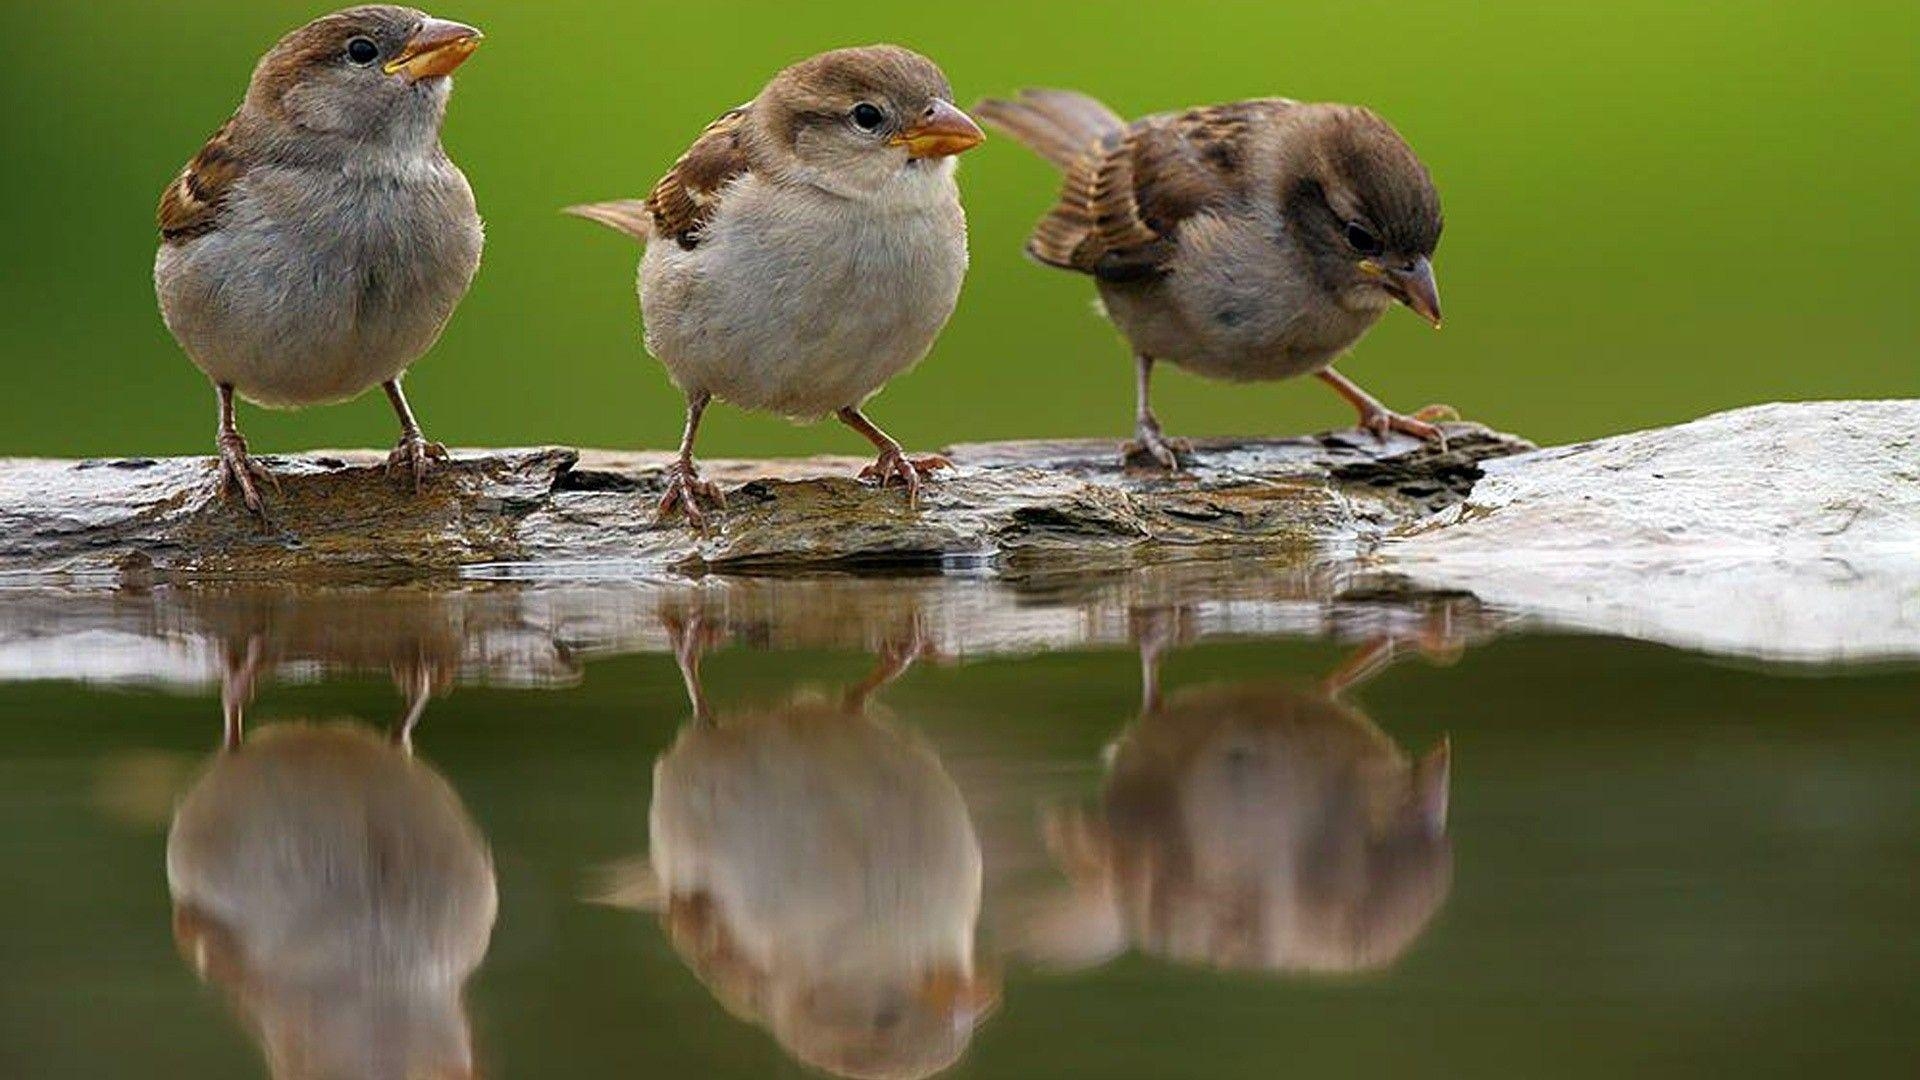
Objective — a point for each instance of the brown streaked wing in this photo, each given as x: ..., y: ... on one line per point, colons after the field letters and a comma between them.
x: 191, y: 205
x: 685, y: 199
x: 1122, y: 203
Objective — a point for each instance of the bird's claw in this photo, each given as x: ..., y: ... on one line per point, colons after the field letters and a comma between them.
x: 686, y: 490
x: 1420, y: 425
x: 895, y: 467
x: 1150, y: 447
x: 238, y: 471
x: 414, y: 456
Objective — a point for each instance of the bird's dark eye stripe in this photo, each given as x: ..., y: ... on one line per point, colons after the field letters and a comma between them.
x: 362, y: 51
x: 868, y: 116
x: 1362, y: 240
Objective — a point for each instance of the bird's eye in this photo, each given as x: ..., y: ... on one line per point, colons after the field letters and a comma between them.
x: 868, y: 117
x: 362, y: 51
x: 1362, y: 240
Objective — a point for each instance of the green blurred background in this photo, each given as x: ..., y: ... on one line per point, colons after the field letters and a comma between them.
x: 1654, y: 210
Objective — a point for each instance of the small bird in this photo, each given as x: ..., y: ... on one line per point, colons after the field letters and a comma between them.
x: 1251, y: 827
x: 808, y: 248
x: 816, y: 866
x: 1247, y: 241
x: 340, y: 893
x: 317, y: 245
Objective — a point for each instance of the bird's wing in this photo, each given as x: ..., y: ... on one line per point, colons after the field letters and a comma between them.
x: 685, y: 199
x: 1124, y: 199
x: 191, y: 205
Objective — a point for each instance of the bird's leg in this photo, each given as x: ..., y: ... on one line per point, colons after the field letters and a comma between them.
x: 896, y: 658
x: 1150, y: 444
x: 1379, y: 419
x: 237, y: 470
x: 691, y: 638
x: 415, y: 677
x: 238, y: 678
x: 1438, y: 640
x: 685, y: 488
x: 893, y: 466
x: 1158, y: 631
x: 414, y: 454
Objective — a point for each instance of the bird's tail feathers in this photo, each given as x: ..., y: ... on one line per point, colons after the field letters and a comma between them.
x: 1059, y: 125
x: 629, y: 216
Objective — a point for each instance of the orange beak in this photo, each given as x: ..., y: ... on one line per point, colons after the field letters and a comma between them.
x: 942, y: 131
x: 435, y: 50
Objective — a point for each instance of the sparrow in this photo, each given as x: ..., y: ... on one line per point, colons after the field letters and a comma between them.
x: 336, y: 888
x: 806, y: 249
x: 318, y: 243
x: 1247, y: 241
x: 816, y: 866
x: 1251, y: 827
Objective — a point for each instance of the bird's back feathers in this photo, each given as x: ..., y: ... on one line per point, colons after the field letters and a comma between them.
x: 1128, y: 187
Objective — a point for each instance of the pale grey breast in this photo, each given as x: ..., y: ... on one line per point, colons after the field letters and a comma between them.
x: 320, y: 284
x: 800, y: 302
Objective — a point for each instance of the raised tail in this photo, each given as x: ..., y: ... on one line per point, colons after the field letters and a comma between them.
x: 1059, y: 125
x: 629, y: 216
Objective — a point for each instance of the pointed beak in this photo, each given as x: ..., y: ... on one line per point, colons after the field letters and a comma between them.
x: 942, y: 131
x: 434, y: 50
x: 1414, y: 287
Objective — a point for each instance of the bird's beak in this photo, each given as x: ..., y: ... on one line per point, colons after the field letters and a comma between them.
x: 941, y: 132
x: 1414, y: 287
x: 961, y: 995
x: 436, y: 49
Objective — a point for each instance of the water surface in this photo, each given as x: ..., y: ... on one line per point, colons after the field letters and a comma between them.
x: 922, y: 827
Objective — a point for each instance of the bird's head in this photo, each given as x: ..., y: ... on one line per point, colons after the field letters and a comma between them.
x: 378, y: 73
x: 857, y: 118
x: 1364, y: 209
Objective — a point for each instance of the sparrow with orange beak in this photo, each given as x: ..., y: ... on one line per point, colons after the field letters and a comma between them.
x: 808, y: 248
x: 1254, y: 240
x: 319, y: 242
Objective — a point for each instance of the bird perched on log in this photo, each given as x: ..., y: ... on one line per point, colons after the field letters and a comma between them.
x: 1254, y: 240
x: 317, y: 245
x: 806, y: 250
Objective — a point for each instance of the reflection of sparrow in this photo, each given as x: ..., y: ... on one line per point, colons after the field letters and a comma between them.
x: 817, y: 868
x: 318, y: 243
x: 806, y: 249
x: 1253, y: 828
x: 337, y: 888
x: 1256, y: 240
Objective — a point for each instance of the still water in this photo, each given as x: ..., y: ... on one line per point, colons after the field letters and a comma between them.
x: 1144, y: 827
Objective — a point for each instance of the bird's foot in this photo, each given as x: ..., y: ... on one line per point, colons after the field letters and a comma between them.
x: 686, y: 491
x: 1151, y: 447
x: 893, y: 466
x: 239, y: 472
x: 1423, y: 425
x: 414, y: 457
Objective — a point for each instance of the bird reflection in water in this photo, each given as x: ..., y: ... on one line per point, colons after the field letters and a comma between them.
x: 815, y: 866
x: 1253, y: 827
x: 336, y: 888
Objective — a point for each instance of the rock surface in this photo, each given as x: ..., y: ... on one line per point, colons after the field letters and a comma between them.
x: 1785, y: 531
x: 559, y: 512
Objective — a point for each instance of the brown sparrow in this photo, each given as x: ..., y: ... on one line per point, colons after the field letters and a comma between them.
x: 1255, y: 240
x: 318, y: 243
x: 808, y: 248
x: 340, y: 893
x: 1251, y: 827
x: 816, y: 866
